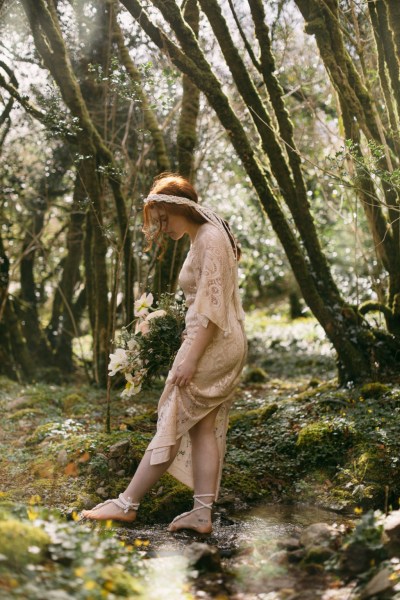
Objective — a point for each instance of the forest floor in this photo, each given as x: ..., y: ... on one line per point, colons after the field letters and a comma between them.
x: 300, y: 450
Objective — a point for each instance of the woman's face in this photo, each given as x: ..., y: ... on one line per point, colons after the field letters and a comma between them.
x: 175, y: 226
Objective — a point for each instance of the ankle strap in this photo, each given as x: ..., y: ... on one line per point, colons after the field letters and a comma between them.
x: 203, y: 495
x: 203, y: 504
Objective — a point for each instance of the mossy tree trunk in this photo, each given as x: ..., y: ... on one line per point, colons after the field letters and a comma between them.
x: 359, y: 355
x: 51, y: 47
x: 63, y: 327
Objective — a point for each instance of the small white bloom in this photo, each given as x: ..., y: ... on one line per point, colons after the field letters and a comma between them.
x: 133, y: 345
x: 133, y: 385
x: 118, y: 361
x: 142, y: 305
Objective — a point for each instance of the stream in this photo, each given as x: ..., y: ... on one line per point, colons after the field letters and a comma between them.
x: 248, y: 565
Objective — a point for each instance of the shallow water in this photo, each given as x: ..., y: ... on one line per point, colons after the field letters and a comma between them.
x: 247, y: 543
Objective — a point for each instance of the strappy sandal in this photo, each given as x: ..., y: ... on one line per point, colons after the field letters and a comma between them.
x: 121, y: 502
x: 185, y: 514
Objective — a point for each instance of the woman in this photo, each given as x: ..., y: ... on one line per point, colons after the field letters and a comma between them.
x: 193, y: 408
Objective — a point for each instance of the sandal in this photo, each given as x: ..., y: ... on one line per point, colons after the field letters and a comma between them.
x: 185, y: 514
x: 121, y: 502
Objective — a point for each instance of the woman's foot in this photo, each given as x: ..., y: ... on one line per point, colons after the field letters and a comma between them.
x: 199, y: 521
x: 117, y: 509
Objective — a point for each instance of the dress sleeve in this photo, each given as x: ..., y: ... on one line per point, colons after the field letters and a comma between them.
x: 214, y: 280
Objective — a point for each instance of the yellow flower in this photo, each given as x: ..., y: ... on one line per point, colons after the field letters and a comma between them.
x: 80, y: 571
x: 89, y: 584
x: 108, y: 523
x: 36, y: 499
x: 358, y: 510
x: 32, y: 514
x: 75, y: 515
x: 109, y: 586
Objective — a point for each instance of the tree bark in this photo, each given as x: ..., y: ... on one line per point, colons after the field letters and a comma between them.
x: 62, y: 326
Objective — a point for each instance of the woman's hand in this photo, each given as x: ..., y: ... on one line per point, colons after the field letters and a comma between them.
x: 184, y: 372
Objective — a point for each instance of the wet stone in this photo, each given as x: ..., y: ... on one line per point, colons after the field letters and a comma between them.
x: 102, y: 492
x: 203, y: 557
x: 289, y: 543
x: 317, y: 534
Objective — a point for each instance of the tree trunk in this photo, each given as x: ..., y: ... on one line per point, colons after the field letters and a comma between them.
x: 63, y: 327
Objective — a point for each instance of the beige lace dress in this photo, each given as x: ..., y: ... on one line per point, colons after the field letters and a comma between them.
x: 209, y: 281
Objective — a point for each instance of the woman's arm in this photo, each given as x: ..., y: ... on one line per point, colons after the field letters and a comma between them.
x: 184, y: 372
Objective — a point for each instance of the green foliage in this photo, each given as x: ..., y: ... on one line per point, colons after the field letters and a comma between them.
x: 48, y: 553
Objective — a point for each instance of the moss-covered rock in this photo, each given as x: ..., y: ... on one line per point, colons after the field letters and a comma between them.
x: 22, y: 543
x: 256, y: 375
x: 25, y: 413
x: 41, y: 432
x: 324, y: 442
x: 374, y: 390
x: 71, y: 402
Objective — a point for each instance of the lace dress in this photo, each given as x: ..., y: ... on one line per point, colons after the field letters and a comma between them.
x: 209, y: 281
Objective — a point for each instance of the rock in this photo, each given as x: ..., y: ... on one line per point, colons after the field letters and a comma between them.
x: 203, y: 557
x: 317, y: 534
x: 62, y: 458
x: 296, y: 556
x: 289, y: 543
x: 102, y: 492
x: 119, y: 449
x: 379, y: 584
x: 391, y: 526
x: 121, y: 473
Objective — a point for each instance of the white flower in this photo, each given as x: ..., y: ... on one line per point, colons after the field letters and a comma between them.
x: 133, y: 345
x: 142, y: 305
x: 133, y: 385
x: 143, y: 327
x: 118, y: 361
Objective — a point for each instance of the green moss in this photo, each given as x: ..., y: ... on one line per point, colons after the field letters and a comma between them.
x: 374, y: 390
x: 322, y: 432
x: 71, y: 402
x: 119, y: 582
x: 242, y: 484
x: 325, y: 443
x: 22, y: 543
x: 25, y: 412
x: 251, y: 417
x: 170, y: 499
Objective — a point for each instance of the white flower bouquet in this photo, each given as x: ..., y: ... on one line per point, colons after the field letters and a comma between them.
x: 149, y: 349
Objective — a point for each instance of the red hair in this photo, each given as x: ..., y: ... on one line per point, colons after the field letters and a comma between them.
x: 172, y: 184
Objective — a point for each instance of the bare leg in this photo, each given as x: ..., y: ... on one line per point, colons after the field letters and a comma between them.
x: 205, y: 461
x: 145, y: 477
